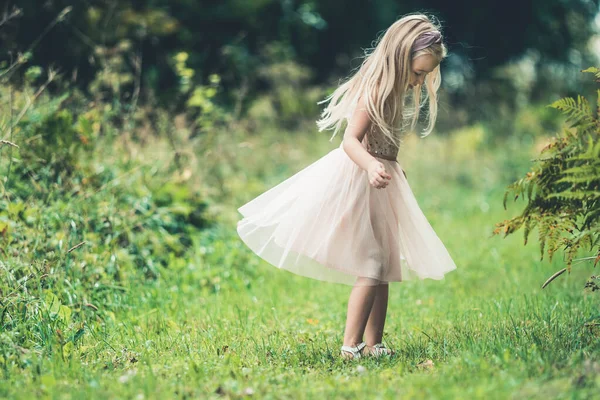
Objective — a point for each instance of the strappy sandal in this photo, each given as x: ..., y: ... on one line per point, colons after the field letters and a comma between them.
x: 355, y: 350
x: 379, y: 350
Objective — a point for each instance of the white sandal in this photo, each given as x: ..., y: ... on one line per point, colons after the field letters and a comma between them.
x: 355, y: 350
x: 380, y: 350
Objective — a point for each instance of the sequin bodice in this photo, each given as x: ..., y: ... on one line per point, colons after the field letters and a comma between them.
x: 378, y: 145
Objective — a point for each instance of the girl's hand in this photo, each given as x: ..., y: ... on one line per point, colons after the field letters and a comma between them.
x: 378, y: 177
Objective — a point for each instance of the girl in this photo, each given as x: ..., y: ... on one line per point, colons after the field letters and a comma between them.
x: 351, y: 217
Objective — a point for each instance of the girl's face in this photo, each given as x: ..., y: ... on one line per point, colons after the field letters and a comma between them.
x: 420, y: 67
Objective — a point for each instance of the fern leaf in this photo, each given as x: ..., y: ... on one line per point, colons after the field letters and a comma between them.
x: 577, y: 111
x: 529, y: 193
x: 593, y: 70
x: 542, y: 234
x: 526, y: 231
x: 594, y: 194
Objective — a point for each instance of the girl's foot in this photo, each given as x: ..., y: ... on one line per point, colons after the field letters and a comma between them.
x: 353, y: 352
x: 379, y: 350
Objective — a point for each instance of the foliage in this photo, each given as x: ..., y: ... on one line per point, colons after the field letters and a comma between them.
x: 291, y: 97
x: 563, y: 188
x: 200, y: 101
x: 92, y: 222
x: 227, y: 38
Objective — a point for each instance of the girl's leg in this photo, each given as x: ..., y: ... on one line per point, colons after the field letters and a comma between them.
x: 376, y: 321
x: 359, y: 307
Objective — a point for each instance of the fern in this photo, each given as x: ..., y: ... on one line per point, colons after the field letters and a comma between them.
x: 563, y: 188
x: 578, y: 111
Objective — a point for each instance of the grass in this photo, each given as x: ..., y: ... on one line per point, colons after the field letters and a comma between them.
x: 489, y: 329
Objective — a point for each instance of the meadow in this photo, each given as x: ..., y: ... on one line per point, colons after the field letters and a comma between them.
x: 212, y: 320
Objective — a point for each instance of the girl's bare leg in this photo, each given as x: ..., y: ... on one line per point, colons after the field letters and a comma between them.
x: 376, y: 321
x: 360, y: 304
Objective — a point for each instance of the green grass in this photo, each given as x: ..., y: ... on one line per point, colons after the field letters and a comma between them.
x: 489, y: 329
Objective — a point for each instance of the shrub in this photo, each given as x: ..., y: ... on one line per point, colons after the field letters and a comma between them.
x: 563, y: 188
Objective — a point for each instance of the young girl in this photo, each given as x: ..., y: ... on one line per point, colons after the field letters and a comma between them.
x: 351, y: 217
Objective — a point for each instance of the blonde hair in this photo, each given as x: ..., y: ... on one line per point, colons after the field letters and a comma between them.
x: 383, y: 79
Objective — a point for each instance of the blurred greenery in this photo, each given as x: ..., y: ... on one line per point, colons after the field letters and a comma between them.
x: 522, y: 54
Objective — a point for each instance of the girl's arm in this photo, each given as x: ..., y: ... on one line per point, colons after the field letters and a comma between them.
x: 353, y: 136
x: 358, y: 125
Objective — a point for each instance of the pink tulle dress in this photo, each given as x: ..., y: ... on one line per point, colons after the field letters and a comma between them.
x: 327, y: 222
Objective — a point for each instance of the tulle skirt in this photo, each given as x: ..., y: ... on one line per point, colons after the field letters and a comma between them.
x: 327, y: 222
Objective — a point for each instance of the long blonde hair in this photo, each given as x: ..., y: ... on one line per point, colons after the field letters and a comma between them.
x: 383, y: 78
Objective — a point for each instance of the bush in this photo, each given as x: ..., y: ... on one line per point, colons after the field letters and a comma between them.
x: 85, y: 218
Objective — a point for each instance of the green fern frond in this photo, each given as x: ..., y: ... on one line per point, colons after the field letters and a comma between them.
x: 577, y: 111
x: 592, y: 151
x: 575, y: 179
x: 529, y: 192
x: 543, y: 229
x: 592, y: 218
x: 580, y: 195
x: 585, y: 173
x: 530, y: 224
x: 593, y: 70
x: 562, y: 190
x: 526, y: 230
